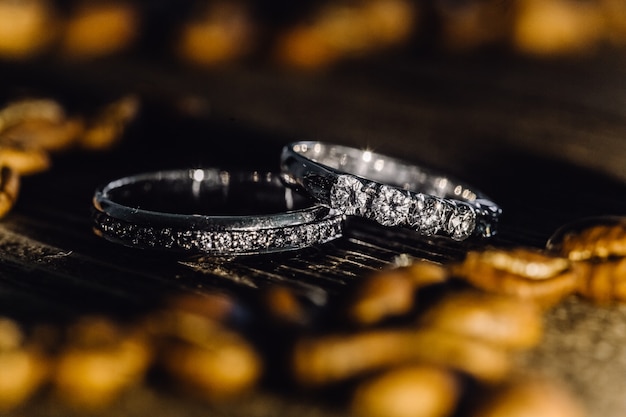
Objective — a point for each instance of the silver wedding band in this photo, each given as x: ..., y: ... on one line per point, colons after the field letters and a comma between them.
x: 200, y: 210
x: 149, y: 211
x: 387, y: 190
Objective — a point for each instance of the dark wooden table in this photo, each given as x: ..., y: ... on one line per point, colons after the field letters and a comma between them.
x: 544, y: 138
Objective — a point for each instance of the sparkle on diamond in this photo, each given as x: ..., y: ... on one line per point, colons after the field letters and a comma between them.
x: 243, y: 241
x: 257, y: 240
x: 278, y: 239
x: 204, y: 241
x: 347, y: 195
x: 312, y: 234
x: 145, y: 236
x: 428, y: 215
x: 390, y: 206
x: 222, y: 241
x: 185, y: 240
x: 292, y: 237
x: 325, y: 231
x: 167, y: 238
x: 462, y: 222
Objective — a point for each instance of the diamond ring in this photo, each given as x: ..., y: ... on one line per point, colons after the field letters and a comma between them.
x: 387, y: 190
x: 192, y: 211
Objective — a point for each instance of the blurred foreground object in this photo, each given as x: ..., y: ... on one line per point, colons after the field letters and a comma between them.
x: 98, y: 28
x: 220, y: 32
x: 345, y: 29
x: 591, y: 238
x: 597, y: 248
x: 221, y: 367
x: 200, y: 351
x: 9, y: 189
x: 104, y: 129
x: 98, y: 362
x: 410, y: 391
x: 521, y: 272
x: 468, y: 25
x: 508, y: 322
x: 338, y: 357
x: 615, y: 17
x: 32, y: 129
x: 26, y: 27
x: 392, y: 293
x: 555, y: 27
x: 317, y: 35
x: 602, y: 282
x: 23, y: 368
x: 531, y: 397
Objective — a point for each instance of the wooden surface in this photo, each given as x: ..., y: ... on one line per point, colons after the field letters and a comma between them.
x: 544, y: 139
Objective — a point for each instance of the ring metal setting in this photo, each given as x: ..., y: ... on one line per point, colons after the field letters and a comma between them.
x: 389, y: 191
x: 123, y: 213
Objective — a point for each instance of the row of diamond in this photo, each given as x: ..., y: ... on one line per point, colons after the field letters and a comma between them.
x: 221, y: 242
x: 392, y: 206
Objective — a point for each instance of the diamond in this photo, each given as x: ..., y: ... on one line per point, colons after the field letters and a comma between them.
x: 330, y: 230
x: 337, y: 229
x: 325, y: 231
x: 278, y: 239
x: 462, y: 222
x: 262, y: 239
x: 240, y: 241
x: 312, y: 234
x: 347, y: 195
x: 253, y: 241
x: 292, y: 237
x: 204, y: 241
x: 144, y: 236
x: 121, y: 230
x: 428, y: 215
x: 222, y: 241
x: 390, y: 206
x: 105, y: 223
x: 185, y: 239
x: 167, y: 238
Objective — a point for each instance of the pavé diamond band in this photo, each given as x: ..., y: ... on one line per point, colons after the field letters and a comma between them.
x: 388, y: 190
x: 188, y: 211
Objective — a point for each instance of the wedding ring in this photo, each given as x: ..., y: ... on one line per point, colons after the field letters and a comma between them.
x: 387, y: 190
x: 212, y: 212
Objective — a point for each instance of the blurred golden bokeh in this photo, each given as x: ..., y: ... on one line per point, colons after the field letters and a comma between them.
x: 208, y: 33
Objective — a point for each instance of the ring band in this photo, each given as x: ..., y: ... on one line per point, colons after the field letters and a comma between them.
x: 387, y: 190
x: 160, y: 211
